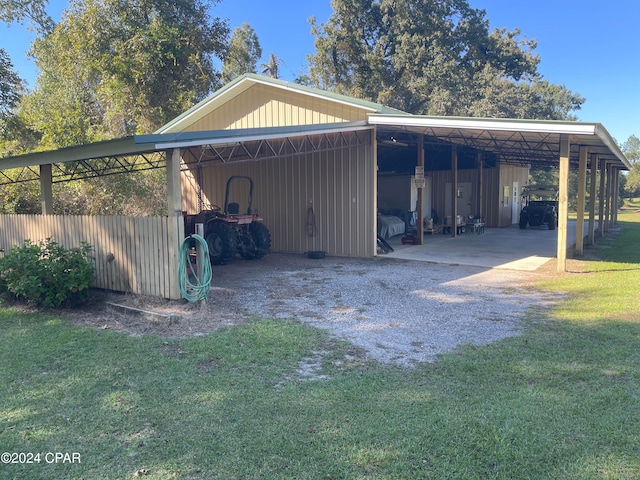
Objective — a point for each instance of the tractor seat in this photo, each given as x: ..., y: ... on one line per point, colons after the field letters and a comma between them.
x: 233, y: 208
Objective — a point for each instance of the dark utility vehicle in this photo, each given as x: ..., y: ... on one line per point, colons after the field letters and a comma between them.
x: 229, y: 232
x: 540, y: 207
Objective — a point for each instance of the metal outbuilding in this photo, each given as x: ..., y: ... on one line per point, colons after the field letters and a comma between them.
x: 308, y: 148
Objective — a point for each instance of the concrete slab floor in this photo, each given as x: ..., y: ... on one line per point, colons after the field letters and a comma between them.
x: 509, y: 248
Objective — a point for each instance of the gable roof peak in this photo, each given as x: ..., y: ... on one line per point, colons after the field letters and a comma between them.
x: 242, y: 83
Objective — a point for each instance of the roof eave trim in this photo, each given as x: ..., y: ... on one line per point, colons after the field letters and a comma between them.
x: 107, y: 148
x: 309, y: 91
x: 232, y: 139
x: 610, y: 143
x: 569, y: 128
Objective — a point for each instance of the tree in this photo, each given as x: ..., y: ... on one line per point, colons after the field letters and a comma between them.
x: 11, y: 86
x: 32, y: 10
x: 432, y: 57
x: 272, y: 67
x: 110, y: 68
x: 631, y: 150
x: 243, y: 53
x: 15, y: 136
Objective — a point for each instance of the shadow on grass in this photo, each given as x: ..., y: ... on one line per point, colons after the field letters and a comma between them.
x: 561, y: 401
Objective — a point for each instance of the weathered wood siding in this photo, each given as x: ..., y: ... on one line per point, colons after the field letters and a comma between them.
x: 263, y: 106
x: 130, y: 254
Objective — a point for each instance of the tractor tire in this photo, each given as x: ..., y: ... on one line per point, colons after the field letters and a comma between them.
x: 261, y: 238
x: 523, y: 222
x: 221, y: 240
x: 552, y: 223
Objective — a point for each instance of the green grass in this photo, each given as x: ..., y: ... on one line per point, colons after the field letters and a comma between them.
x: 562, y: 401
x: 632, y: 203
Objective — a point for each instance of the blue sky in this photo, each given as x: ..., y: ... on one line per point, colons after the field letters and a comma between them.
x: 590, y: 46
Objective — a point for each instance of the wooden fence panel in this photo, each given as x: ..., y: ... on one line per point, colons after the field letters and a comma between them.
x: 131, y: 254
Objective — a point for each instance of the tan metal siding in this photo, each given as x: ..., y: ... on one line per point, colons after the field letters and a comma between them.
x: 441, y: 177
x: 331, y: 180
x: 262, y: 106
x: 492, y: 193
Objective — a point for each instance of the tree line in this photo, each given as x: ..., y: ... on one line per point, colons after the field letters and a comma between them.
x: 109, y: 69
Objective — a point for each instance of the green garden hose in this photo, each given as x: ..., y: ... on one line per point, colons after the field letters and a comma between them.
x: 198, y: 291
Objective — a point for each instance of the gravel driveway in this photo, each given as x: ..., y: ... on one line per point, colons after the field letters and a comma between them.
x: 398, y: 311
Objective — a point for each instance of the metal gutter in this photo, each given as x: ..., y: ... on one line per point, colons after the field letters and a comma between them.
x: 542, y: 126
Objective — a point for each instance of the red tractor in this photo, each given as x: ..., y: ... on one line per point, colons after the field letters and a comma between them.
x: 228, y: 232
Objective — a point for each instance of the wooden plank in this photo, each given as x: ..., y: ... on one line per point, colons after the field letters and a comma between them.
x: 116, y: 235
x: 156, y: 272
x: 591, y: 236
x: 582, y: 184
x: 111, y: 265
x: 601, y: 197
x: 607, y: 198
x: 89, y: 225
x: 148, y: 257
x: 563, y: 203
x: 46, y: 189
x: 175, y: 214
x: 158, y: 255
x: 162, y: 267
x: 454, y: 191
x: 131, y: 272
x: 420, y: 214
x: 616, y: 194
x: 145, y: 252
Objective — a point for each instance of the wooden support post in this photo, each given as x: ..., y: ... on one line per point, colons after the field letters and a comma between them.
x: 607, y: 198
x: 615, y: 197
x: 46, y: 189
x: 480, y: 207
x: 420, y: 196
x: 200, y: 256
x: 591, y: 236
x: 176, y: 222
x: 582, y: 186
x: 565, y: 151
x: 454, y: 191
x: 601, y: 197
x: 374, y: 213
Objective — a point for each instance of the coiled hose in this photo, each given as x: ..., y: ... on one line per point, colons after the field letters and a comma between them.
x: 194, y: 292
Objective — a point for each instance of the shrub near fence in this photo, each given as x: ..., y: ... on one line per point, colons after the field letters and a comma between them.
x: 48, y: 274
x: 131, y: 254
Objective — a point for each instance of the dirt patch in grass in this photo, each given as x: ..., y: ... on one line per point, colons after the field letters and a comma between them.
x: 191, y: 319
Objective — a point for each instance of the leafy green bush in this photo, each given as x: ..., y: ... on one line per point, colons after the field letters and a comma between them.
x: 47, y: 274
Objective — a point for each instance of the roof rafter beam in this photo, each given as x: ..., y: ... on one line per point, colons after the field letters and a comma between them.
x: 272, y: 148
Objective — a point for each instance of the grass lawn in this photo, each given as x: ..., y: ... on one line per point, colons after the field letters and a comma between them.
x: 562, y: 401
